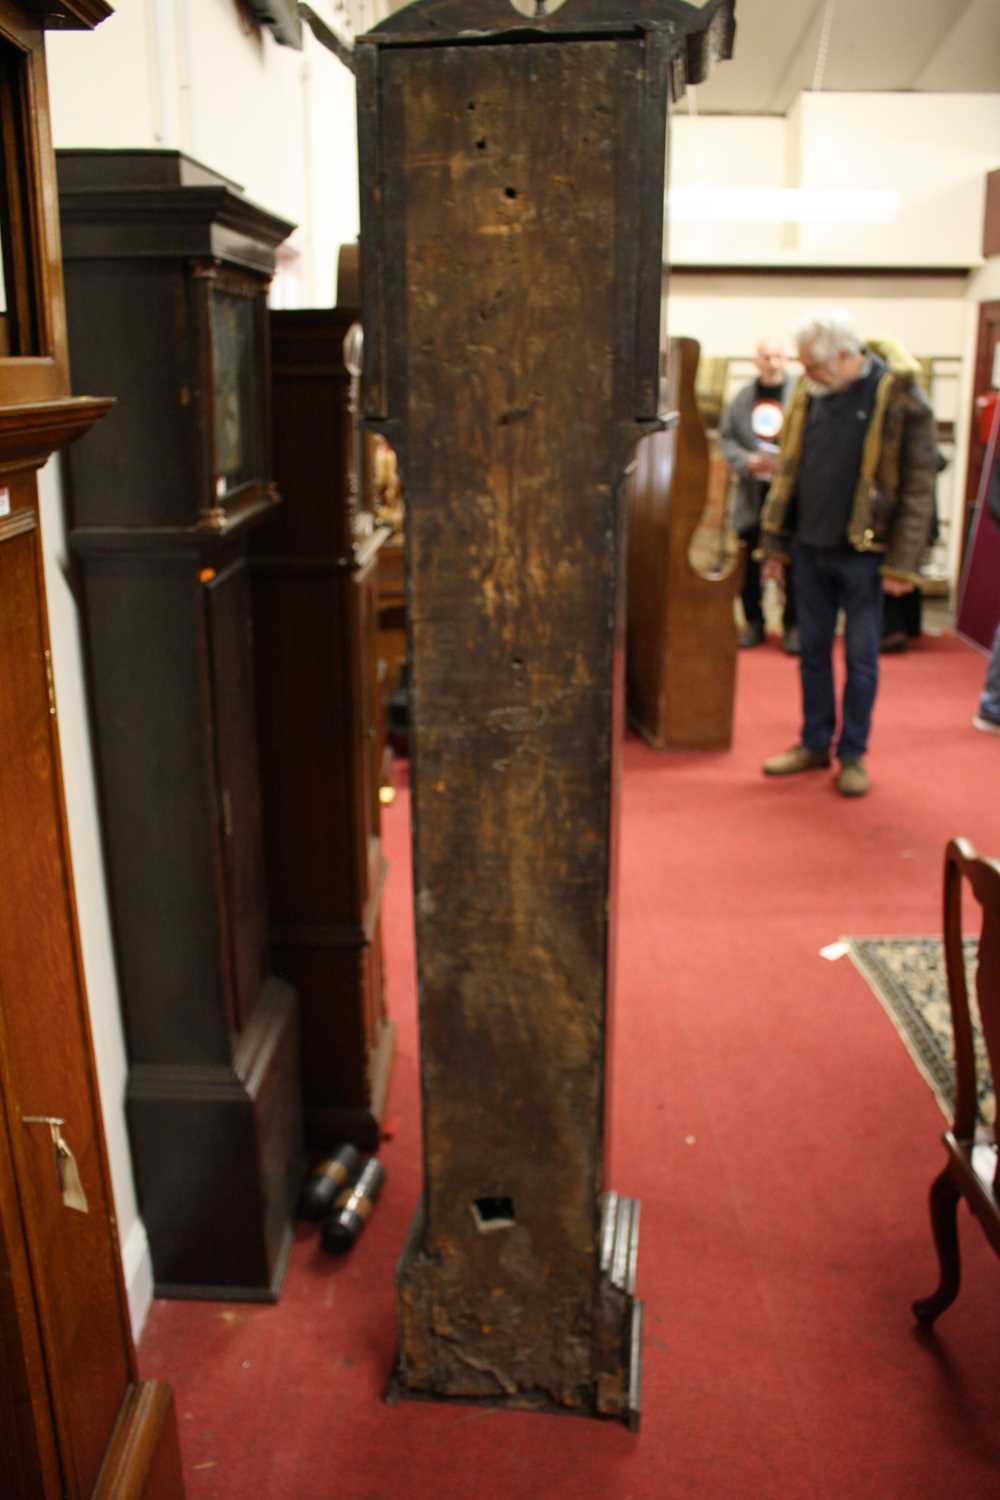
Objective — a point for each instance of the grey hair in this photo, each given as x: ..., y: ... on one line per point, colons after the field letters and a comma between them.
x: 829, y: 331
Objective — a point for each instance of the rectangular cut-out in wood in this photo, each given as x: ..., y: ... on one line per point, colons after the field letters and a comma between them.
x: 512, y: 191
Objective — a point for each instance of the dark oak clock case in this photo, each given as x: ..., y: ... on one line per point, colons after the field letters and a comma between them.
x: 315, y: 582
x: 167, y: 270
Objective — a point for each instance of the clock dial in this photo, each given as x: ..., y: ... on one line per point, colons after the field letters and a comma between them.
x: 234, y: 406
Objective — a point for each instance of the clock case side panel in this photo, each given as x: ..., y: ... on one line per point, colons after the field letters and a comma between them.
x: 145, y: 464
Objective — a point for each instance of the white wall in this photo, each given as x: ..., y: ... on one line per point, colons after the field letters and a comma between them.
x: 90, y: 887
x: 932, y: 150
x: 712, y: 150
x: 935, y: 153
x: 728, y: 311
x: 187, y: 75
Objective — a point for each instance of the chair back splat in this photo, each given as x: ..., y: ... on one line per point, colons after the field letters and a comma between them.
x: 971, y: 1170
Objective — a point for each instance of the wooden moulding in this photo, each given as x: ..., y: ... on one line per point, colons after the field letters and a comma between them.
x: 143, y: 1457
x: 69, y: 15
x: 512, y: 189
x: 32, y: 431
x: 991, y: 216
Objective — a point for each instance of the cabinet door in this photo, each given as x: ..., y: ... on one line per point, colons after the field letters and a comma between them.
x: 234, y: 731
x: 63, y: 1323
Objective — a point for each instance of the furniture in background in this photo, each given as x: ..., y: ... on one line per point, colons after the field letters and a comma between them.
x: 167, y: 271
x: 681, y: 637
x: 315, y: 570
x: 971, y: 1171
x: 75, y: 1419
x: 392, y: 612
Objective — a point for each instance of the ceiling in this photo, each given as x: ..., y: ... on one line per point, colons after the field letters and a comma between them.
x: 930, y: 46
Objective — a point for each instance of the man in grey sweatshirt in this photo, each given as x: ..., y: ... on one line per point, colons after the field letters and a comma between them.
x: 749, y: 437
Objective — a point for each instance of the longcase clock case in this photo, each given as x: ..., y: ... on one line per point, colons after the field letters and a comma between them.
x: 315, y: 581
x: 512, y: 189
x: 167, y: 270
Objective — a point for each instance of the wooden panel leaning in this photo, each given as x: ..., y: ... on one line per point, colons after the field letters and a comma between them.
x: 682, y: 638
x: 972, y: 1169
x: 512, y: 200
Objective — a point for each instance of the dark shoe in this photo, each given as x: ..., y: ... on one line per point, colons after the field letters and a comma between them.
x: 753, y: 635
x: 891, y: 645
x: 988, y: 726
x: 798, y: 758
x: 853, y: 779
x: 790, y: 643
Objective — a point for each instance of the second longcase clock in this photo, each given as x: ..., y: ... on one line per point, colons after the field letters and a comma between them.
x: 315, y: 582
x: 167, y: 270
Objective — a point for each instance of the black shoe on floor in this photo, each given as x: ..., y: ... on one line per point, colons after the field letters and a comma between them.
x: 790, y: 643
x: 893, y: 644
x: 753, y: 635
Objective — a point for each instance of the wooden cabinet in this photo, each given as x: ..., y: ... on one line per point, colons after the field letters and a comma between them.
x: 167, y: 269
x: 68, y: 1373
x: 75, y: 1421
x: 315, y: 590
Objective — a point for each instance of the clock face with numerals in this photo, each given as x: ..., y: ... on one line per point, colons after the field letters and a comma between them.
x: 234, y: 388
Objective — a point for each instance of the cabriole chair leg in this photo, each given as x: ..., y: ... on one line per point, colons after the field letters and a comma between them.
x: 944, y: 1196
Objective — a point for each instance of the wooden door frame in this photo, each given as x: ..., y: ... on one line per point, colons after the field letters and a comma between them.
x: 986, y: 341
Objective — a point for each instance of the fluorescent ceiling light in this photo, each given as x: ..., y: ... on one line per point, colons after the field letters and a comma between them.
x: 705, y: 204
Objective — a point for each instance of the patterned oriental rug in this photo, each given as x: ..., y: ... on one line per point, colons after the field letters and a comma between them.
x: 907, y: 975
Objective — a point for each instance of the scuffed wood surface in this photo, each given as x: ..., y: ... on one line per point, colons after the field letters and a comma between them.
x: 511, y: 334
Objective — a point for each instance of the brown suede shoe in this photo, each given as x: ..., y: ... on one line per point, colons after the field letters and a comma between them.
x: 852, y: 779
x: 798, y: 758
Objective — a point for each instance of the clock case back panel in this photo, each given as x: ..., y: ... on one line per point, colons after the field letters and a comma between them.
x: 512, y: 189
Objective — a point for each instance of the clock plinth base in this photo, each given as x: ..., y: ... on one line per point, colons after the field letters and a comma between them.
x: 462, y: 1337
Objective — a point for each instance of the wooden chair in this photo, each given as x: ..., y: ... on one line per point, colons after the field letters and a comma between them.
x: 971, y: 1172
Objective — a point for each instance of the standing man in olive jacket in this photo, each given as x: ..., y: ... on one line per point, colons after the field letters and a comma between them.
x: 849, y: 510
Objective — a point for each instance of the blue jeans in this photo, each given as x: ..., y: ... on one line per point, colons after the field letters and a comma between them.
x: 827, y: 579
x: 989, y: 703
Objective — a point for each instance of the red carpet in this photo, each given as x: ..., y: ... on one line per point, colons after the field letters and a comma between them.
x: 767, y: 1116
